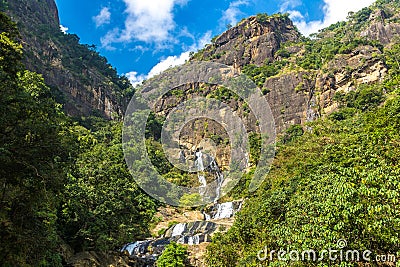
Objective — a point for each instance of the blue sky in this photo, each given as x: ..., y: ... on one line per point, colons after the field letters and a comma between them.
x: 141, y: 38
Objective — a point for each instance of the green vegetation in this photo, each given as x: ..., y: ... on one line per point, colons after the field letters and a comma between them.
x: 320, y: 51
x: 264, y: 18
x: 366, y: 97
x: 189, y: 200
x: 32, y: 159
x: 337, y: 180
x: 79, y: 58
x: 102, y: 206
x: 61, y: 182
x: 293, y: 132
x: 65, y: 182
x: 174, y: 255
x: 260, y: 74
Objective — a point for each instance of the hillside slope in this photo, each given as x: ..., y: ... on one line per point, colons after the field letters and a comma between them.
x: 300, y: 76
x: 81, y: 79
x: 336, y: 185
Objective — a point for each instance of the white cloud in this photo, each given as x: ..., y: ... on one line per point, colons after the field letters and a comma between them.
x: 230, y: 16
x: 104, y: 17
x: 296, y: 15
x: 150, y: 21
x: 63, y: 29
x: 287, y: 4
x: 163, y: 65
x: 334, y: 11
x: 202, y: 42
x: 135, y: 78
x: 169, y: 62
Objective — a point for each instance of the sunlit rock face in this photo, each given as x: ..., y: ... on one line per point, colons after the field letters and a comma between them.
x: 253, y: 41
x: 84, y: 87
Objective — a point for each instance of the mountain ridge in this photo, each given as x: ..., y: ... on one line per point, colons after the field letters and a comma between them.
x: 81, y: 79
x: 335, y: 99
x: 300, y: 84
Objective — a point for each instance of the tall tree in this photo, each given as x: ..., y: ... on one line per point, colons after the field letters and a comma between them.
x: 30, y: 155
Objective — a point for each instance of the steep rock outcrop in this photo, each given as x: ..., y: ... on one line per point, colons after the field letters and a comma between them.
x: 80, y: 78
x: 253, y: 41
x: 363, y: 66
x: 291, y: 97
x: 296, y: 95
x: 382, y: 27
x: 301, y: 96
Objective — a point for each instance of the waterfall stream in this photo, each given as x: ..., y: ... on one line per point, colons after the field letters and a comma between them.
x: 200, y: 172
x: 224, y: 211
x: 178, y: 229
x: 190, y: 233
x: 213, y: 168
x: 219, y: 178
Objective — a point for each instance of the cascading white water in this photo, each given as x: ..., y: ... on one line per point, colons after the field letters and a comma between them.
x: 200, y: 168
x: 220, y: 180
x: 213, y: 168
x: 207, y: 217
x: 178, y: 229
x: 136, y: 248
x: 194, y: 240
x: 199, y: 161
x: 202, y: 181
x: 225, y: 210
x: 219, y: 177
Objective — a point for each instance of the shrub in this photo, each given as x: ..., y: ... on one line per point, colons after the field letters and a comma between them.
x: 174, y: 255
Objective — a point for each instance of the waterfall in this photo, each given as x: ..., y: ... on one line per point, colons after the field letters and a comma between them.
x: 136, y: 248
x: 220, y: 180
x: 202, y: 181
x: 199, y: 161
x: 190, y: 233
x: 219, y: 177
x: 194, y: 240
x: 178, y: 229
x: 211, y: 167
x: 225, y: 210
x: 200, y: 168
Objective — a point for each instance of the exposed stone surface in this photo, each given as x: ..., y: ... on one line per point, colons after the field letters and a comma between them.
x: 382, y: 28
x: 83, y: 90
x: 197, y: 255
x: 290, y: 97
x: 46, y: 12
x: 208, y: 134
x: 252, y: 41
x: 362, y: 66
x: 301, y: 96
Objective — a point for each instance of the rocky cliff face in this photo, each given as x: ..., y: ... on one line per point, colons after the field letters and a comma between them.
x: 301, y: 96
x: 383, y: 26
x: 253, y: 41
x: 81, y: 79
x: 297, y: 95
x: 35, y: 13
